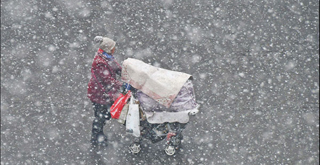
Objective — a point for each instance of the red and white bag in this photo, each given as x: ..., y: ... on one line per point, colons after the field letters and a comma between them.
x: 117, y: 106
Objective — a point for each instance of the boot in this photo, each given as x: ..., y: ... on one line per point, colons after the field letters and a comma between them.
x: 99, y: 140
x: 98, y: 137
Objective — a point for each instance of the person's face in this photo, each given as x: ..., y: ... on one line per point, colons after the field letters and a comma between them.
x: 113, y: 50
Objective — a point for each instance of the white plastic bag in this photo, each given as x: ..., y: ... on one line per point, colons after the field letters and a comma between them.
x: 133, y: 119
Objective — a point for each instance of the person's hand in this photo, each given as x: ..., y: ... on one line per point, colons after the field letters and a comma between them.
x: 125, y: 87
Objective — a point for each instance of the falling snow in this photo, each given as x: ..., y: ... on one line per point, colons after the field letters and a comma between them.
x: 255, y: 66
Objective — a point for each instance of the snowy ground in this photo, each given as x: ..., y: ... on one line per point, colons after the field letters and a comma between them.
x: 255, y: 65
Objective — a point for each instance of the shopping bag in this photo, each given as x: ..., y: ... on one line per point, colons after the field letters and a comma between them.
x: 133, y: 119
x: 123, y: 115
x: 117, y: 106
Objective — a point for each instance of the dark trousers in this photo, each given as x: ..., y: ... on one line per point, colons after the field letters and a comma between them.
x: 101, y: 114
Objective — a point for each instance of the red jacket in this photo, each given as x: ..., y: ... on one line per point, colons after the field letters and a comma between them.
x: 103, y: 88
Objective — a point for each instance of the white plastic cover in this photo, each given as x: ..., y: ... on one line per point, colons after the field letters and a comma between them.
x: 160, y: 84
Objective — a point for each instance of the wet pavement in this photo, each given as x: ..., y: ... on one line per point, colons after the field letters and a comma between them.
x: 255, y: 67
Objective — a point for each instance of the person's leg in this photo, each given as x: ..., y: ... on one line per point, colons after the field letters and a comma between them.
x: 101, y: 115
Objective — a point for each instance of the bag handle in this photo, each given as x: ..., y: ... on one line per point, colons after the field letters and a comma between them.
x: 131, y: 99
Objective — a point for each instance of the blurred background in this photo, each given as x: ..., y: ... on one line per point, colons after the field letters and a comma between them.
x: 255, y: 66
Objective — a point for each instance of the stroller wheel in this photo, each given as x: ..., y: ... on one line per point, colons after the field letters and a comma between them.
x: 170, y: 150
x: 135, y: 148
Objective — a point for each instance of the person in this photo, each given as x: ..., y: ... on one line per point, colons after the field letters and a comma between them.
x: 103, y: 87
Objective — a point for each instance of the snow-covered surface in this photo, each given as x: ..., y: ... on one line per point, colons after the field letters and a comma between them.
x: 255, y: 66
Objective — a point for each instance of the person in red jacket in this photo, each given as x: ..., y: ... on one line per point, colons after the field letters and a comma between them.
x: 103, y: 87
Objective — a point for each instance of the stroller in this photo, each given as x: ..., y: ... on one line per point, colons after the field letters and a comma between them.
x: 165, y: 99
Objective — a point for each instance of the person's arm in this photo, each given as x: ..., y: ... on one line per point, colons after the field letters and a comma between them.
x: 103, y: 74
x: 118, y: 69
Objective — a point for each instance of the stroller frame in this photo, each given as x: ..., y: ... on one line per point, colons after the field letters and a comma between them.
x: 172, y: 132
x: 160, y: 90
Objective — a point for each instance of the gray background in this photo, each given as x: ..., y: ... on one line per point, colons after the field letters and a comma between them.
x: 255, y: 66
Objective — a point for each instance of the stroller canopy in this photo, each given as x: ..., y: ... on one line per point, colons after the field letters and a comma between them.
x: 162, y: 85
